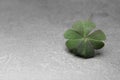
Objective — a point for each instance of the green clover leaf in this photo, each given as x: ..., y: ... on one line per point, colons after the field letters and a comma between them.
x: 81, y: 41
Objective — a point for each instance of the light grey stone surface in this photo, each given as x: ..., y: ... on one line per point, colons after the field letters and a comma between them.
x: 32, y: 46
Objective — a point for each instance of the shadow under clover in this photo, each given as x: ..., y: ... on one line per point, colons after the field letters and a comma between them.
x: 98, y: 53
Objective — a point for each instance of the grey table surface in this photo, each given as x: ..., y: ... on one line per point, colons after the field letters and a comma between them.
x: 32, y: 46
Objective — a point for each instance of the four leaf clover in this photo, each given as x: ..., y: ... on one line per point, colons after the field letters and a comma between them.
x: 81, y: 41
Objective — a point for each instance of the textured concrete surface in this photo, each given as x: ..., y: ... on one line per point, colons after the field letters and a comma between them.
x: 32, y: 44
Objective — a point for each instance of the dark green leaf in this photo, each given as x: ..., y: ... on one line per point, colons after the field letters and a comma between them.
x: 97, y: 35
x: 85, y: 49
x: 84, y: 28
x: 71, y: 34
x: 73, y: 43
x: 97, y: 44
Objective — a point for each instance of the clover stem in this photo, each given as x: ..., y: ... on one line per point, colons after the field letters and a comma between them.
x: 85, y: 39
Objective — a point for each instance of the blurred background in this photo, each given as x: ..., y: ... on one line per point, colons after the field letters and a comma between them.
x: 32, y: 46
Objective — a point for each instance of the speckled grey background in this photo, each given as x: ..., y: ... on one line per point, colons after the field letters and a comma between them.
x: 32, y: 46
